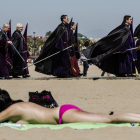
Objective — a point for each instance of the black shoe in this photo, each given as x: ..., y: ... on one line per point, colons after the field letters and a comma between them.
x: 121, y: 75
x: 28, y: 76
x: 68, y: 76
x: 7, y: 78
x: 15, y: 76
x: 130, y: 75
x: 25, y: 76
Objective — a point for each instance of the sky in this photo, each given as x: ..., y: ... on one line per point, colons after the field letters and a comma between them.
x: 96, y: 18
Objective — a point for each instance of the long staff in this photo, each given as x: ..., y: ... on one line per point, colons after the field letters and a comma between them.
x: 12, y: 45
x: 48, y: 57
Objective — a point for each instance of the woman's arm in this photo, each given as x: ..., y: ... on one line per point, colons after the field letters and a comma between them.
x: 11, y: 113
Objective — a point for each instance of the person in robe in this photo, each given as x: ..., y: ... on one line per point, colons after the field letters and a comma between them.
x: 58, y: 65
x: 74, y: 51
x: 4, y: 43
x: 20, y: 42
x: 25, y: 52
x: 137, y: 38
x: 137, y: 33
x: 111, y: 53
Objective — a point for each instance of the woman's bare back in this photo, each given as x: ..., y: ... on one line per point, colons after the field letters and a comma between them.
x: 30, y: 113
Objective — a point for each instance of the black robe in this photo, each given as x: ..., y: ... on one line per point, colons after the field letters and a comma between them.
x: 3, y: 56
x: 137, y: 34
x: 72, y: 41
x: 47, y: 66
x: 102, y: 52
x: 18, y: 63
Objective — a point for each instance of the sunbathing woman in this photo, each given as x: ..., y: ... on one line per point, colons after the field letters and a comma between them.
x: 35, y: 114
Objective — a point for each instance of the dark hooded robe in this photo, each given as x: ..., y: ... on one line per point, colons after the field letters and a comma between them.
x: 3, y: 56
x: 10, y: 52
x: 72, y: 41
x: 76, y: 48
x: 58, y: 65
x: 137, y: 34
x: 74, y: 51
x: 25, y: 51
x: 20, y: 45
x: 104, y: 53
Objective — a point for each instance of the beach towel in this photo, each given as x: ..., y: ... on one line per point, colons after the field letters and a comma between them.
x: 77, y: 126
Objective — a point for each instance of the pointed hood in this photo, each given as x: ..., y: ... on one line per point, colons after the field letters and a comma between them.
x: 69, y: 27
x: 9, y: 32
x: 10, y: 50
x: 76, y: 34
x: 131, y: 28
x: 25, y: 32
x: 76, y: 42
x: 132, y: 33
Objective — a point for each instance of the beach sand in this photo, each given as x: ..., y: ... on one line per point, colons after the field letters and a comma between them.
x: 99, y: 96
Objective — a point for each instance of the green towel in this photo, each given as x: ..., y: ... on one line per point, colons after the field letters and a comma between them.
x: 74, y: 126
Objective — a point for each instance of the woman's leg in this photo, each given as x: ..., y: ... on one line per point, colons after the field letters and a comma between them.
x: 74, y: 116
x: 126, y: 118
x: 86, y: 66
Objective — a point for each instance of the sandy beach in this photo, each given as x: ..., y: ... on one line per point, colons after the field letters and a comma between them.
x: 100, y: 96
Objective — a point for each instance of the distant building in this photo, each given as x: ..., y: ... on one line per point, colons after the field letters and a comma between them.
x: 81, y: 35
x: 97, y: 39
x: 92, y: 40
x: 39, y: 37
x: 30, y: 36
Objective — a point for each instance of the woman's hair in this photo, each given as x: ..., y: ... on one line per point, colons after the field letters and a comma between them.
x: 5, y: 100
x: 2, y: 105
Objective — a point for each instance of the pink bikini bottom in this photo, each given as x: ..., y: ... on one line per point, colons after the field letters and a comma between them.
x: 64, y: 108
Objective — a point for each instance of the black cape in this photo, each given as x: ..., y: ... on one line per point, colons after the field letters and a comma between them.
x: 2, y: 36
x: 72, y: 41
x: 102, y: 52
x: 137, y: 32
x: 48, y: 49
x: 18, y: 64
